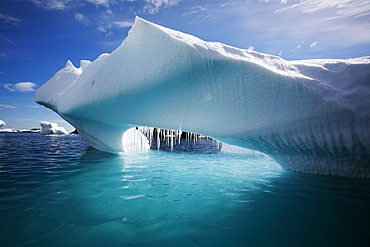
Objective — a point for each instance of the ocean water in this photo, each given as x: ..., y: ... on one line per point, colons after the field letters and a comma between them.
x: 58, y: 191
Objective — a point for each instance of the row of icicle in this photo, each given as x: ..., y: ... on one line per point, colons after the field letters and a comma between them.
x: 170, y: 136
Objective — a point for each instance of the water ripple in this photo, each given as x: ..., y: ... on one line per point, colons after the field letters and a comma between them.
x: 52, y: 187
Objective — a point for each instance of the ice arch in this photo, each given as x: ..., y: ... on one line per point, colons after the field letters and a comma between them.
x: 311, y: 116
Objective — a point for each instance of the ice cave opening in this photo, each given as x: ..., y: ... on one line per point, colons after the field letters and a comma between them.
x: 142, y: 139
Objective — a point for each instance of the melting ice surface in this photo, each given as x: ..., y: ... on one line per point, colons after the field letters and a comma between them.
x: 310, y: 116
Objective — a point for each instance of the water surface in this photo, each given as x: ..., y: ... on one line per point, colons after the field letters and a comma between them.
x: 58, y: 191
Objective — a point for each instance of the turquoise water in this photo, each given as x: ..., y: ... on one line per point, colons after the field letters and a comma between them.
x: 57, y: 191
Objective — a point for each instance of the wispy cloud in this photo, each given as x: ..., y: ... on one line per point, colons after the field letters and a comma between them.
x: 7, y: 40
x: 150, y: 6
x: 21, y: 87
x: 337, y: 21
x: 54, y: 4
x: 106, y: 17
x: 25, y: 119
x: 123, y: 23
x: 153, y: 6
x: 8, y: 106
x: 314, y: 44
x: 336, y: 25
x: 9, y: 21
x: 69, y: 4
x: 81, y: 18
x: 195, y: 10
x: 339, y: 8
x: 73, y: 4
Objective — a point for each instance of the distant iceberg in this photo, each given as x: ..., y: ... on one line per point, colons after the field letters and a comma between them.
x: 8, y: 130
x: 11, y: 130
x: 310, y: 116
x: 2, y: 123
x: 52, y: 129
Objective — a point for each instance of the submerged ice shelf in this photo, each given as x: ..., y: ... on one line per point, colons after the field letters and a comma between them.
x: 310, y: 116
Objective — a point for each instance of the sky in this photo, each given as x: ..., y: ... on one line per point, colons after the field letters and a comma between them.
x: 38, y: 37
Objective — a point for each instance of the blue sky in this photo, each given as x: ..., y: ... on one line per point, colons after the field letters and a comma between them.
x: 37, y: 37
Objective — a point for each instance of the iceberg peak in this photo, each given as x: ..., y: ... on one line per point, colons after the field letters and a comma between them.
x: 310, y: 116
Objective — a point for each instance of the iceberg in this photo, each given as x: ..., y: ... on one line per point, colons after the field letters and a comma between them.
x: 2, y: 123
x: 8, y: 130
x: 52, y: 129
x: 310, y: 116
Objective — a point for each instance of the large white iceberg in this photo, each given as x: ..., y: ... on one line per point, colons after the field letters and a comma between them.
x: 2, y: 123
x: 52, y: 129
x: 310, y: 116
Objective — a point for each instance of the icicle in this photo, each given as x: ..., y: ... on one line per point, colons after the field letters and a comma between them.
x: 158, y: 138
x: 150, y: 136
x: 167, y: 136
x: 187, y: 138
x: 133, y: 140
x: 172, y: 133
x: 178, y: 134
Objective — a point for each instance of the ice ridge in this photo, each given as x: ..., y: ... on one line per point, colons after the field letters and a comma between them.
x: 310, y: 116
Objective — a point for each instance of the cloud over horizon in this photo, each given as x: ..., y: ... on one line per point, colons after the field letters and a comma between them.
x: 22, y: 87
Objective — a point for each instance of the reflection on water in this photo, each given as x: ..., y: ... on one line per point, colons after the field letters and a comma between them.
x: 56, y: 191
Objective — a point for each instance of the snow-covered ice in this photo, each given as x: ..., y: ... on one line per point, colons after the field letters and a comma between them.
x: 310, y: 116
x: 52, y: 129
x: 2, y: 123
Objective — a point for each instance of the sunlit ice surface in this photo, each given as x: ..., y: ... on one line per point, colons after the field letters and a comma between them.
x: 57, y: 191
x: 311, y: 116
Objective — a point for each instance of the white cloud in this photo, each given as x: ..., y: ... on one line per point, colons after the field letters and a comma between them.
x: 81, y: 18
x: 106, y: 15
x: 74, y: 4
x: 103, y: 21
x: 123, y: 23
x: 9, y: 21
x: 336, y: 25
x: 70, y: 4
x: 8, y: 106
x: 195, y: 10
x: 7, y: 40
x: 100, y: 2
x: 53, y: 4
x: 25, y: 119
x: 313, y: 44
x: 153, y: 6
x: 21, y: 87
x: 340, y: 8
